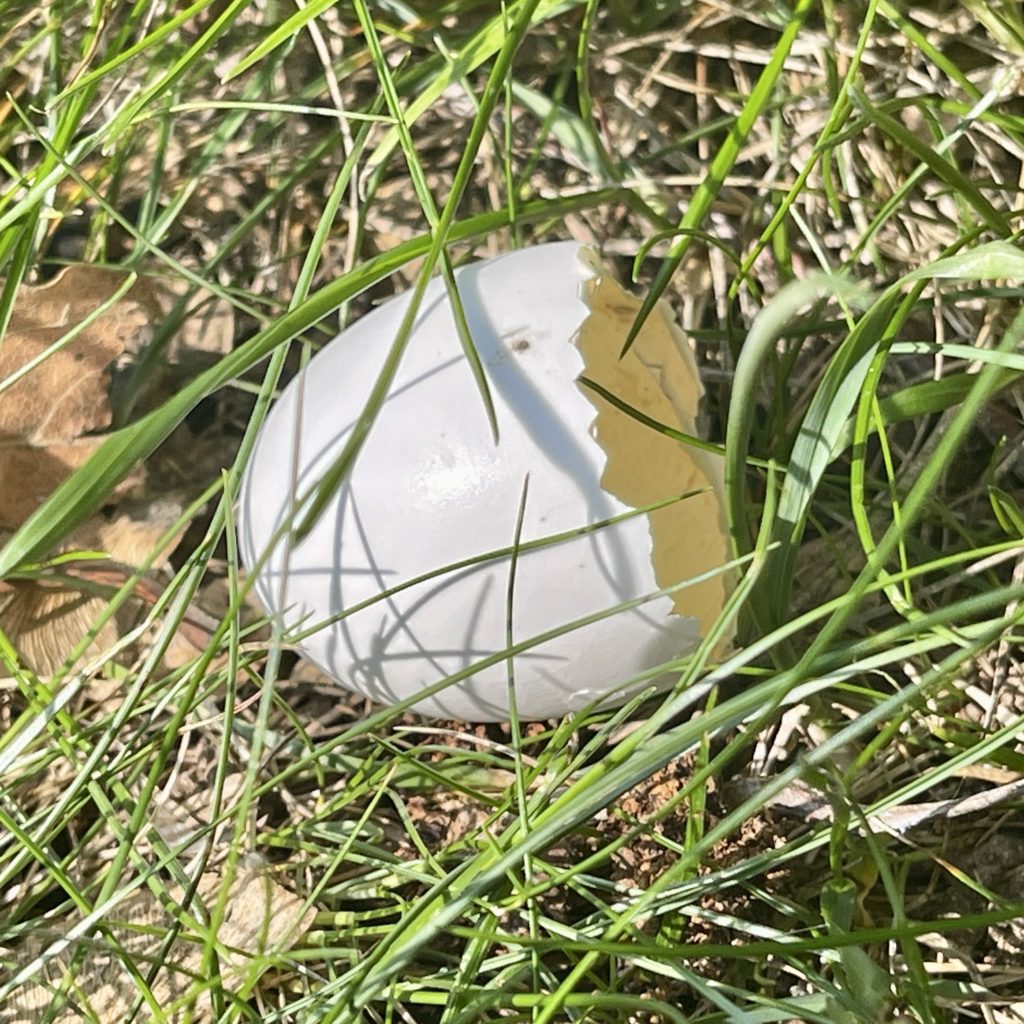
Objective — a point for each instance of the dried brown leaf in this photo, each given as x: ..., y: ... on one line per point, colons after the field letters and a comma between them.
x: 51, y: 419
x: 66, y: 395
x: 48, y: 417
x: 261, y: 919
x: 45, y: 624
x: 46, y: 620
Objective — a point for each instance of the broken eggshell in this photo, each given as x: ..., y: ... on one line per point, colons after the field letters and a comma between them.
x: 431, y: 489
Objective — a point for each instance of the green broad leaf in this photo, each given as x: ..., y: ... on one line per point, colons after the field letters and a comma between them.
x: 933, y: 396
x: 866, y: 982
x: 838, y: 903
x: 925, y: 399
x: 824, y: 425
x: 825, y: 428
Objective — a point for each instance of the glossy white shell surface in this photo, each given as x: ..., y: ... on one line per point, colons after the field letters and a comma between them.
x: 431, y: 488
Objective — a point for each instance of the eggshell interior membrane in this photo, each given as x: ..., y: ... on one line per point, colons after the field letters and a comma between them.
x: 431, y: 490
x: 658, y: 377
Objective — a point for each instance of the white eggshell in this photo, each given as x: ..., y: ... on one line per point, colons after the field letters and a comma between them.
x: 431, y: 488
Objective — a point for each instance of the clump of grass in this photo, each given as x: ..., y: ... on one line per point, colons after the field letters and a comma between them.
x: 827, y: 193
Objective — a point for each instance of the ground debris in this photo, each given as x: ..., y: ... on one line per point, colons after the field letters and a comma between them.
x: 163, y: 930
x: 261, y: 921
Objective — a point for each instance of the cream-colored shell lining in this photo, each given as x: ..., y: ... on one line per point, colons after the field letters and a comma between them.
x: 659, y: 378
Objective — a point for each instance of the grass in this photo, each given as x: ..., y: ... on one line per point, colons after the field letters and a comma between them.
x: 827, y: 194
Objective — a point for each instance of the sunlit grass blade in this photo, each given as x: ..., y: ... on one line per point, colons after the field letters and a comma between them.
x: 804, y: 470
x: 440, y: 235
x: 699, y: 206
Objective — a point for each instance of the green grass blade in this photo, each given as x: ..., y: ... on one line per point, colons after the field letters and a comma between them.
x: 493, y: 91
x: 942, y: 168
x: 722, y: 164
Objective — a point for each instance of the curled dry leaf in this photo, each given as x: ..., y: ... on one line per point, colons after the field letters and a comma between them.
x: 46, y: 620
x: 48, y: 418
x: 262, y: 921
x: 51, y: 421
